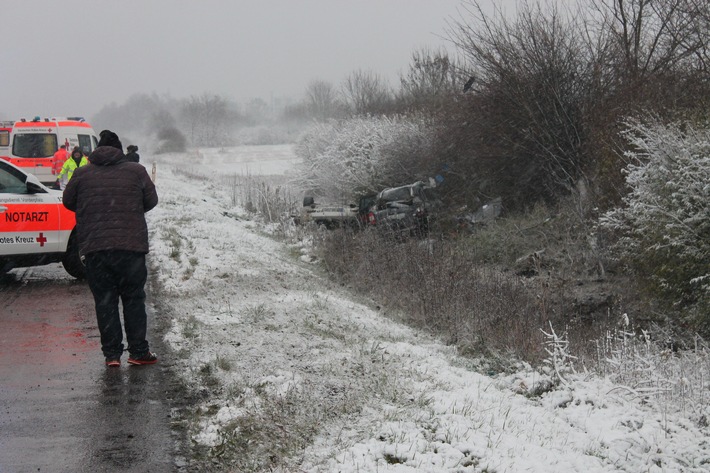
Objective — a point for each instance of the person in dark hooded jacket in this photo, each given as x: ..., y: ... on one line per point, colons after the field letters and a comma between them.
x: 110, y: 197
x: 132, y: 153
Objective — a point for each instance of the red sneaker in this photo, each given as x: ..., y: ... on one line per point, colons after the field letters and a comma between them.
x: 113, y: 362
x: 147, y: 359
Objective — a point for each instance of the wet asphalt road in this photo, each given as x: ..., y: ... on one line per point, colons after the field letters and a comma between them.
x: 61, y: 409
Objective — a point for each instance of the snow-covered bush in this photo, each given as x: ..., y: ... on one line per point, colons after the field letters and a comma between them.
x: 341, y: 158
x: 647, y: 368
x: 664, y: 226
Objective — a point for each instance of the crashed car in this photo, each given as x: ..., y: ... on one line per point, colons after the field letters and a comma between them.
x: 403, y: 211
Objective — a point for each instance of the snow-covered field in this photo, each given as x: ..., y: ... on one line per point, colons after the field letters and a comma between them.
x: 253, y: 324
x: 247, y: 160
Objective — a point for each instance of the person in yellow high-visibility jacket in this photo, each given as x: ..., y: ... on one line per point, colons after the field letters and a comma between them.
x: 76, y: 160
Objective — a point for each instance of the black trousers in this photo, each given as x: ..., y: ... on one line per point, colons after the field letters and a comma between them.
x: 112, y: 275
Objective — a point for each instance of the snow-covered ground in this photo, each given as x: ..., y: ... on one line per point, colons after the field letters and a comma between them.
x: 253, y: 323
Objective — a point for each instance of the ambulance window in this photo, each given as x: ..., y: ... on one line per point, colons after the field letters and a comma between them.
x: 85, y: 143
x: 12, y: 181
x: 4, y: 138
x: 95, y: 142
x: 34, y: 145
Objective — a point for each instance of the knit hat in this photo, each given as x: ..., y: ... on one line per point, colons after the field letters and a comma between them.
x: 132, y: 148
x: 109, y: 138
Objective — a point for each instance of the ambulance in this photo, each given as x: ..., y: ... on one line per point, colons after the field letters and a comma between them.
x: 34, y: 142
x: 35, y: 227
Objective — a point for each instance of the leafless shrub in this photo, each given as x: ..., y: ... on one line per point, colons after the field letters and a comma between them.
x: 269, y: 196
x: 520, y: 132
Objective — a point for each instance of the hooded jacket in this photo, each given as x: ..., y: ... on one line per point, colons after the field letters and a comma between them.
x: 132, y: 154
x: 110, y: 197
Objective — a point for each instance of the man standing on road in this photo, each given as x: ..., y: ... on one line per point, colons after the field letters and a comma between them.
x: 110, y: 197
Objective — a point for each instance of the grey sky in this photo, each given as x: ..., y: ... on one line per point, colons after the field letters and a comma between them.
x: 71, y: 57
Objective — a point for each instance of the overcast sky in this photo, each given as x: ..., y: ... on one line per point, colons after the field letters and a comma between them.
x: 72, y: 57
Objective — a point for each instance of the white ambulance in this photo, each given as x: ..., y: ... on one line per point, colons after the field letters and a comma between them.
x: 34, y: 142
x: 35, y: 227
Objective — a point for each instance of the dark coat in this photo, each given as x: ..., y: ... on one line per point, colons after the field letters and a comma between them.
x: 133, y: 156
x: 110, y: 197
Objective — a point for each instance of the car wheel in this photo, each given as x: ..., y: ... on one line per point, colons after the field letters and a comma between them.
x: 72, y: 260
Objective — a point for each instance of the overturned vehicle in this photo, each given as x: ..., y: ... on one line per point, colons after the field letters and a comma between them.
x: 403, y: 211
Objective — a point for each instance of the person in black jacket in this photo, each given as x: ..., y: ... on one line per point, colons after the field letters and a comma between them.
x: 132, y: 153
x: 110, y: 197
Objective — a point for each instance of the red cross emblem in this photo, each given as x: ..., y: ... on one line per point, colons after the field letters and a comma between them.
x: 41, y: 239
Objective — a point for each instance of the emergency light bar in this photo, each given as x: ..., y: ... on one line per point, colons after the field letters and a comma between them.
x: 54, y: 119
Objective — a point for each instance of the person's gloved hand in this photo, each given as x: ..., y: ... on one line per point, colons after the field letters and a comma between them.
x: 56, y: 184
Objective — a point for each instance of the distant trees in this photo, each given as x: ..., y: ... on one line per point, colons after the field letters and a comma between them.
x: 203, y: 120
x: 430, y: 83
x: 138, y: 115
x: 206, y: 118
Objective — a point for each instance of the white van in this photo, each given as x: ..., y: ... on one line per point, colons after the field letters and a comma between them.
x: 34, y: 142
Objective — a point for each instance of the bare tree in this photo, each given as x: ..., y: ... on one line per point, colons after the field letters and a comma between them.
x: 522, y: 132
x: 322, y: 100
x: 206, y: 118
x: 431, y: 79
x: 661, y: 46
x: 367, y: 93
